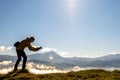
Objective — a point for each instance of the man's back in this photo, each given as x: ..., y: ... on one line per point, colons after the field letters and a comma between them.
x: 23, y: 44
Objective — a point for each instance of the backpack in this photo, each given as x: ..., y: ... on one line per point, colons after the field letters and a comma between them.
x: 16, y: 44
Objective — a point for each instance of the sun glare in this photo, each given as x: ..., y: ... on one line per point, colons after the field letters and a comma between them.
x: 71, y: 7
x: 72, y: 3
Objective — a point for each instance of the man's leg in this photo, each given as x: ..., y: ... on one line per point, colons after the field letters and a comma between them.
x: 18, y: 60
x: 24, y: 60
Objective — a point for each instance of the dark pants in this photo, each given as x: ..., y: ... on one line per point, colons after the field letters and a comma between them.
x: 20, y: 54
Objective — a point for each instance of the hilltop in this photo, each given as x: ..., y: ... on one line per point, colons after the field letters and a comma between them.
x: 93, y: 74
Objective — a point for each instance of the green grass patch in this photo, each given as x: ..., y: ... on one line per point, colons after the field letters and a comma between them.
x: 93, y: 74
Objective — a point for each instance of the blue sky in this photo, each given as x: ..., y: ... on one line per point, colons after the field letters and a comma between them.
x: 79, y: 27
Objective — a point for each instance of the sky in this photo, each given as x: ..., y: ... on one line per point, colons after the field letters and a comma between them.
x: 84, y: 28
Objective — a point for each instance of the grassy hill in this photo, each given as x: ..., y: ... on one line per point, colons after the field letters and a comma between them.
x: 94, y: 74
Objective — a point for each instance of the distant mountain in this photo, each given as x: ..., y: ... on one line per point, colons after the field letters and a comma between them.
x: 49, y: 56
x: 105, y: 61
x: 109, y: 57
x: 53, y: 59
x: 7, y: 58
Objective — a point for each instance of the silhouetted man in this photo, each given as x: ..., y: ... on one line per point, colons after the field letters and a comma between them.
x: 20, y: 51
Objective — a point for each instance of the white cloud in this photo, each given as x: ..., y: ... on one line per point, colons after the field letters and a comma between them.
x: 44, y: 50
x: 42, y: 69
x: 36, y: 71
x: 9, y: 48
x: 63, y: 53
x: 114, y: 53
x: 39, y: 66
x: 5, y: 70
x: 5, y: 62
x: 87, y: 56
x: 3, y: 48
x: 31, y: 66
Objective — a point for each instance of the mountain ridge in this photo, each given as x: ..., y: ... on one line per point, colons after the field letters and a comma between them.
x: 53, y: 59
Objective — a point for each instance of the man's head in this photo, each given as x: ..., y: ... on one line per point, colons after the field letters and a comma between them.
x: 32, y: 39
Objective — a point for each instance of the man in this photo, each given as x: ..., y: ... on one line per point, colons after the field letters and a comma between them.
x: 20, y: 51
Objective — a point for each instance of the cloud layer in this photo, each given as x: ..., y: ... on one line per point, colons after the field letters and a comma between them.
x: 115, y: 53
x: 7, y: 66
x: 5, y: 62
x: 3, y: 48
x: 43, y: 69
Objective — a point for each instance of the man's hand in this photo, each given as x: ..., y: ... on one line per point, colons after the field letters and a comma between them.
x: 39, y: 48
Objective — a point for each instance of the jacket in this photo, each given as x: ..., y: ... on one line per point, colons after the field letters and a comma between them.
x: 25, y: 43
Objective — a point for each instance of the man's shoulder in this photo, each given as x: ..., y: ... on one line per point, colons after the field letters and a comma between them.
x: 26, y: 42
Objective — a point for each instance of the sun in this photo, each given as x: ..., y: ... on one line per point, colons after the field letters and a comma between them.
x: 72, y: 7
x: 72, y: 3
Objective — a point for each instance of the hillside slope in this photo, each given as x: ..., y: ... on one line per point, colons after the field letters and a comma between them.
x: 95, y: 74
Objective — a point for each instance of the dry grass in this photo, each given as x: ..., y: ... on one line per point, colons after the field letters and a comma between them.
x: 94, y: 74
